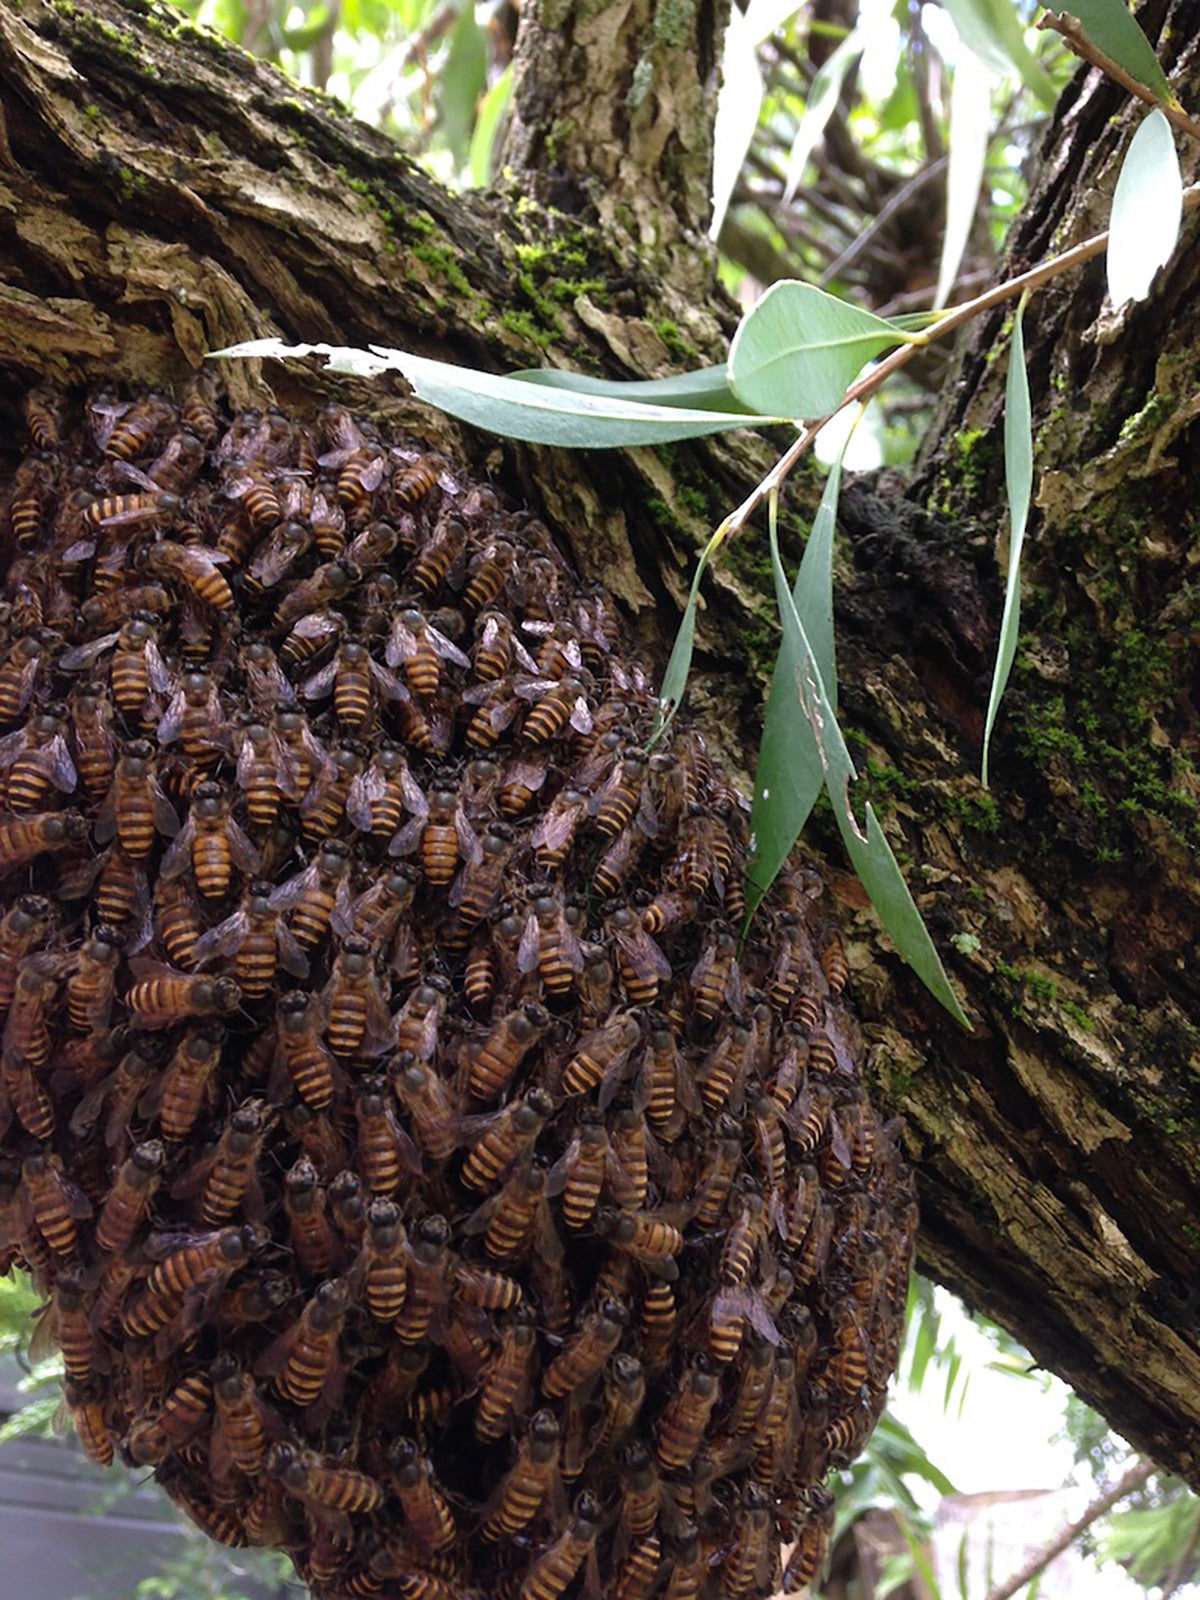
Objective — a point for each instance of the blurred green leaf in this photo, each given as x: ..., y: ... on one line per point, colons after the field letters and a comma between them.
x: 970, y: 130
x: 993, y: 30
x: 823, y: 95
x: 487, y: 126
x: 462, y: 83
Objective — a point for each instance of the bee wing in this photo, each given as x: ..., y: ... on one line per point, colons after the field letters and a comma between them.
x: 222, y: 940
x: 291, y: 953
x: 62, y: 768
x: 160, y: 674
x: 365, y: 789
x: 530, y: 949
x: 178, y: 856
x: 560, y: 1173
x: 245, y: 853
x: 389, y: 684
x: 401, y: 643
x: 406, y: 839
x: 82, y: 655
x: 12, y: 745
x: 287, y: 894
x: 447, y: 649
x: 319, y: 685
x: 171, y: 721
x: 469, y: 846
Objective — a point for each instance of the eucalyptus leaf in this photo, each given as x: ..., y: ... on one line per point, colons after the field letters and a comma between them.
x: 993, y: 31
x: 790, y: 773
x: 705, y: 389
x: 515, y: 407
x: 1147, y: 210
x: 970, y: 129
x: 869, y: 851
x: 1110, y: 26
x: 1018, y: 477
x: 823, y: 95
x: 739, y: 101
x: 670, y: 694
x: 797, y: 352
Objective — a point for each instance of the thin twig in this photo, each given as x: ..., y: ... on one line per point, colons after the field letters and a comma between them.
x: 1066, y: 1537
x: 1083, y: 47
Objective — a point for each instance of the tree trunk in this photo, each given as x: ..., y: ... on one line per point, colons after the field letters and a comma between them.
x: 162, y: 195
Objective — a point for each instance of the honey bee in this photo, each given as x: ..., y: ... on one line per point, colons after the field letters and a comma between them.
x: 492, y: 1067
x: 684, y: 1423
x: 212, y: 843
x: 302, y: 1054
x: 648, y: 1236
x: 312, y: 1239
x: 90, y: 723
x: 25, y: 925
x: 182, y: 1413
x: 303, y: 1361
x: 64, y: 1325
x: 715, y: 980
x: 135, y: 807
x: 323, y: 807
x: 580, y: 1172
x: 196, y: 719
x: 128, y: 1201
x: 176, y: 920
x: 198, y: 410
x: 419, y: 1018
x: 496, y: 709
x: 601, y: 1055
x: 428, y: 1265
x: 92, y: 982
x: 379, y: 796
x: 125, y: 430
x: 45, y: 833
x: 138, y: 676
x: 243, y: 1422
x: 37, y: 759
x: 497, y: 649
x: 227, y: 1180
x: 385, y: 1151
x: 195, y: 567
x: 441, y: 557
x: 555, y: 1569
x: 331, y: 582
x: 355, y: 1004
x: 427, y: 1512
x: 502, y: 1138
x: 440, y: 832
x: 550, y: 945
x: 429, y: 1105
x: 380, y: 913
x: 256, y: 939
x: 666, y: 1089
x: 419, y: 649
x: 640, y: 962
x: 120, y: 1090
x: 304, y: 1474
x: 189, y: 1269
x: 594, y: 985
x: 489, y: 573
x: 557, y: 704
x: 381, y: 1268
x: 19, y: 671
x: 812, y: 1538
x: 33, y: 486
x: 721, y: 1074
x: 583, y: 1357
x: 187, y: 1084
x: 517, y: 1218
x: 87, y: 1413
x: 505, y: 1389
x: 314, y: 895
x: 26, y: 1039
x: 161, y: 996
x: 533, y: 1481
x: 40, y: 410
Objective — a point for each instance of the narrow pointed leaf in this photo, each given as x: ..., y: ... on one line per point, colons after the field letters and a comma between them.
x: 796, y: 353
x: 1018, y: 476
x: 790, y: 773
x: 537, y: 412
x: 1110, y: 26
x: 992, y: 30
x: 738, y: 104
x: 670, y: 694
x: 1147, y: 210
x: 705, y: 389
x: 823, y: 95
x: 870, y: 852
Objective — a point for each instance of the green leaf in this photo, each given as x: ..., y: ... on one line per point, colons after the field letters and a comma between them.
x: 738, y: 103
x: 870, y: 852
x: 487, y: 125
x: 1111, y: 28
x: 670, y: 694
x: 798, y: 351
x: 970, y: 128
x: 823, y: 94
x: 537, y: 412
x: 992, y: 30
x: 1147, y: 210
x: 462, y: 83
x: 790, y: 773
x: 1018, y: 476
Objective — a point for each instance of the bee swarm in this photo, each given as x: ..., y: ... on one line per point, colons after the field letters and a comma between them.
x: 422, y: 1176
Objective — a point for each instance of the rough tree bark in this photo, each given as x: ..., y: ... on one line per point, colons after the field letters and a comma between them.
x: 162, y: 195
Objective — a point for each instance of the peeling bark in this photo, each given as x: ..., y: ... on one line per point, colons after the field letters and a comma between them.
x: 161, y: 195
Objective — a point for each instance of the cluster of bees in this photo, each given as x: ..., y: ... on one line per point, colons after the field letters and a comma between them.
x: 424, y: 1175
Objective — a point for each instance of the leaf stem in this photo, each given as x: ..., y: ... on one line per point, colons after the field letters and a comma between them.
x: 1083, y: 47
x: 865, y: 387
